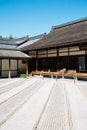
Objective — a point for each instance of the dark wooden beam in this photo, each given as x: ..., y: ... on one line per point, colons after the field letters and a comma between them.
x: 36, y: 60
x: 68, y: 57
x: 57, y: 58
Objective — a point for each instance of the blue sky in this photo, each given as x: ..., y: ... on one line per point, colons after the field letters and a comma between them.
x: 33, y: 17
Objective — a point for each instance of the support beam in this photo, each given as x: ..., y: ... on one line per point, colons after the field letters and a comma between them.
x: 9, y: 74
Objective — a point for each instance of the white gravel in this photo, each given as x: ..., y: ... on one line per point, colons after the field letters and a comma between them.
x: 27, y: 117
x: 55, y: 116
x: 9, y: 107
x: 4, y: 82
x: 78, y: 104
x: 54, y: 105
x: 11, y: 85
x: 8, y: 94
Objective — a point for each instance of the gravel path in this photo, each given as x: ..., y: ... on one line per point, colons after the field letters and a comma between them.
x: 55, y: 116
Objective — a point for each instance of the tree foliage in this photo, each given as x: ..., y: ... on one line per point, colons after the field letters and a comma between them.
x: 1, y: 37
x: 11, y: 37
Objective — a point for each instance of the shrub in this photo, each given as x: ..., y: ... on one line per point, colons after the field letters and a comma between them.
x: 23, y: 76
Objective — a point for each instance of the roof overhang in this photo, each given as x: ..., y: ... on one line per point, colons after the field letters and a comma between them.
x: 13, y: 54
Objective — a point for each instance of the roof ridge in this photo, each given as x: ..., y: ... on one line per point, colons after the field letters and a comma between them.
x: 69, y: 23
x: 37, y: 36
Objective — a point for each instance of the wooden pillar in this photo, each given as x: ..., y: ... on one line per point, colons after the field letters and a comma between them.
x: 27, y: 67
x: 36, y: 60
x: 68, y: 57
x: 47, y: 60
x: 9, y: 74
x: 57, y: 58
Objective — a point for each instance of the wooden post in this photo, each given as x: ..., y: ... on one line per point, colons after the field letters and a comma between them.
x: 36, y: 60
x: 68, y: 57
x: 27, y: 67
x: 57, y: 58
x: 9, y: 74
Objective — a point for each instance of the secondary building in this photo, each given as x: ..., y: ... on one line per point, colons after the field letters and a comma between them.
x: 12, y: 61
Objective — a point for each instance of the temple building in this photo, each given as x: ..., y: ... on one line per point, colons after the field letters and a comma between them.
x: 65, y: 46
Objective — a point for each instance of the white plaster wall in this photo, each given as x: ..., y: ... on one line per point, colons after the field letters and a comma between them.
x: 5, y: 68
x: 77, y: 53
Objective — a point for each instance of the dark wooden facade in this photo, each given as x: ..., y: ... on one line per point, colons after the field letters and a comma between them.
x: 70, y: 58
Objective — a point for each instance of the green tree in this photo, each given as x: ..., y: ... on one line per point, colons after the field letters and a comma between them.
x: 1, y: 37
x: 11, y: 37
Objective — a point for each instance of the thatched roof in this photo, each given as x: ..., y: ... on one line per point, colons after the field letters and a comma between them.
x: 13, y: 54
x: 66, y: 34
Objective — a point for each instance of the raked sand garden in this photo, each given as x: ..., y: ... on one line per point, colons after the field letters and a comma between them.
x: 35, y: 103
